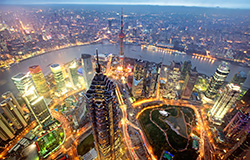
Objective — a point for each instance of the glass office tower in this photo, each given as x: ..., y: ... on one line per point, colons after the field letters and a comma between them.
x: 217, y: 80
x: 39, y: 80
x: 102, y: 105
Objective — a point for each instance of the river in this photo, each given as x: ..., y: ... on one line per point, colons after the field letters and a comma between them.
x: 65, y: 55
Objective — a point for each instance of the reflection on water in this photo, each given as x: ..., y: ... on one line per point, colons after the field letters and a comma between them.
x: 204, y: 65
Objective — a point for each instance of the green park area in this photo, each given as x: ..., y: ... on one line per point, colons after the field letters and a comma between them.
x: 178, y: 142
x: 86, y: 145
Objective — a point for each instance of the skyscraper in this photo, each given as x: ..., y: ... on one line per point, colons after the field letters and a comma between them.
x: 173, y: 77
x: 6, y: 131
x: 138, y: 78
x: 185, y: 69
x: 7, y: 95
x: 58, y: 76
x: 239, y: 150
x: 237, y: 127
x: 102, y: 105
x: 244, y: 103
x: 239, y: 78
x: 87, y: 69
x: 224, y: 102
x: 39, y: 80
x: 121, y: 36
x: 217, y: 80
x: 73, y: 75
x: 109, y: 23
x: 189, y: 83
x: 22, y: 82
x: 13, y: 113
x: 152, y: 79
x: 39, y: 109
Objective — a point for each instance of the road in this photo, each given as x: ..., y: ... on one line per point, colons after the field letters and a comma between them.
x: 17, y: 138
x: 206, y: 141
x: 125, y: 123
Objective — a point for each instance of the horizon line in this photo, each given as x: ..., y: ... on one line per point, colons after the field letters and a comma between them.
x: 130, y: 4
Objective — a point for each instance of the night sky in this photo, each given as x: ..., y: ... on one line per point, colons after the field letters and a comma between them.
x: 202, y: 3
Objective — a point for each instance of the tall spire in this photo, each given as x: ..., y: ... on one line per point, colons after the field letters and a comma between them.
x: 98, y: 66
x: 122, y: 20
x: 121, y: 36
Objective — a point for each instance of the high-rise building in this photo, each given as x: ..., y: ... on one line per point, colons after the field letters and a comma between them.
x: 6, y: 131
x: 237, y: 127
x: 87, y: 70
x: 239, y: 78
x: 239, y: 150
x: 102, y: 105
x: 7, y: 95
x: 39, y: 109
x: 39, y: 80
x: 173, y: 77
x: 138, y: 78
x: 189, y: 83
x: 109, y: 23
x: 13, y: 113
x: 121, y: 36
x: 185, y: 69
x: 217, y: 80
x: 73, y: 75
x: 22, y: 82
x: 244, y: 103
x: 58, y: 76
x: 224, y: 102
x: 152, y: 79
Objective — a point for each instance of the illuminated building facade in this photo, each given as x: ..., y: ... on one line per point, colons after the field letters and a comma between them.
x: 58, y: 76
x: 224, y: 102
x: 13, y: 113
x: 6, y: 131
x: 173, y: 77
x: 217, y: 80
x: 22, y: 82
x: 7, y: 95
x: 73, y: 75
x: 87, y: 70
x: 39, y: 80
x: 239, y: 78
x: 39, y: 109
x: 152, y: 76
x: 239, y: 150
x: 244, y: 103
x: 138, y: 78
x: 238, y: 126
x: 102, y: 105
x: 189, y: 83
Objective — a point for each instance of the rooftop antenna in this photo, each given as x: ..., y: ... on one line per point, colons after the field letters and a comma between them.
x: 98, y: 66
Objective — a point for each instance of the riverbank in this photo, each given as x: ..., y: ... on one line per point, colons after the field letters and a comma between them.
x: 54, y: 50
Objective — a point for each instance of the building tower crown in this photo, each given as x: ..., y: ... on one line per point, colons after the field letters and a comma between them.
x: 98, y: 66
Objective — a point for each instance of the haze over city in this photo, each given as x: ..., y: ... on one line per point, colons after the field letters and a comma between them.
x: 132, y: 80
x: 198, y: 3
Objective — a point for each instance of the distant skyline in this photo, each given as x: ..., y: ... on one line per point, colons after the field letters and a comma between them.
x: 244, y: 4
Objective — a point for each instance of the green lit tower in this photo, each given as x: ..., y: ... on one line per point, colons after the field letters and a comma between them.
x: 102, y: 105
